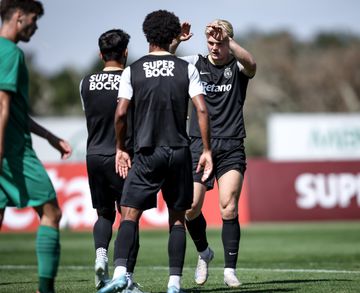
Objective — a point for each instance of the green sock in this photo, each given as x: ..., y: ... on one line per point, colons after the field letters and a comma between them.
x: 46, y: 285
x: 48, y: 256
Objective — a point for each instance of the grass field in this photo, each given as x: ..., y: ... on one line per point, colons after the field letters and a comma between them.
x: 307, y: 257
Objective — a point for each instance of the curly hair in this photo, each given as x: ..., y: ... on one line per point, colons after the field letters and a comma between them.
x: 161, y: 27
x: 113, y: 43
x: 8, y: 7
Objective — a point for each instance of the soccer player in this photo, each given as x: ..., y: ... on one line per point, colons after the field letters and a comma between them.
x: 225, y: 73
x: 99, y: 93
x: 159, y: 85
x: 23, y: 179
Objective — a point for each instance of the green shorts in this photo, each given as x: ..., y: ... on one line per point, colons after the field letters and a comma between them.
x: 24, y: 182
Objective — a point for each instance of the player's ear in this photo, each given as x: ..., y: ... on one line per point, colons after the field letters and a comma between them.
x: 101, y: 56
x: 126, y: 52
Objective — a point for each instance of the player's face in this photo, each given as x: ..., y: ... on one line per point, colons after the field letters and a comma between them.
x: 219, y: 50
x: 27, y: 26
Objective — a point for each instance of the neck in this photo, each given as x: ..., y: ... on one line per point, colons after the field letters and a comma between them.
x: 155, y: 48
x: 219, y: 62
x: 8, y: 31
x: 113, y: 65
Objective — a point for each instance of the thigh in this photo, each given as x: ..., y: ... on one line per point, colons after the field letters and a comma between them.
x: 145, y: 178
x: 178, y: 186
x: 105, y: 185
x: 196, y: 148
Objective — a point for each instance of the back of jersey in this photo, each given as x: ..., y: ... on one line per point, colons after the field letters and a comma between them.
x: 99, y: 95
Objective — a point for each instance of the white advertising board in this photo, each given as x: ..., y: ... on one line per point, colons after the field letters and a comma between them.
x: 313, y: 137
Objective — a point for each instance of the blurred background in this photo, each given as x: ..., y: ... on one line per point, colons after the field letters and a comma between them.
x: 301, y: 112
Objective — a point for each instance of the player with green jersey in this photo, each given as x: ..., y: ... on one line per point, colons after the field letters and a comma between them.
x: 23, y: 179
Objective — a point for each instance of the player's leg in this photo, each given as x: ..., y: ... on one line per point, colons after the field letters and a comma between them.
x: 196, y: 225
x: 176, y: 249
x: 126, y: 231
x: 104, y: 186
x: 48, y: 245
x: 230, y: 185
x: 102, y: 233
x: 195, y: 221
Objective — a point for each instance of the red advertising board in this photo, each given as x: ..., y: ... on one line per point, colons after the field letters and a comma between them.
x: 272, y: 191
x: 303, y: 191
x: 71, y: 184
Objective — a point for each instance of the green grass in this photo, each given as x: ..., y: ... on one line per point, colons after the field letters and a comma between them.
x: 306, y: 257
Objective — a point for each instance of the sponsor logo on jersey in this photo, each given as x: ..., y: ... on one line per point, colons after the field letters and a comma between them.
x: 104, y: 81
x: 214, y: 88
x: 159, y: 68
x: 227, y: 73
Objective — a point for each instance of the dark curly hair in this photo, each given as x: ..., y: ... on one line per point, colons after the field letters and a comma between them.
x: 161, y: 27
x: 113, y: 43
x: 8, y: 7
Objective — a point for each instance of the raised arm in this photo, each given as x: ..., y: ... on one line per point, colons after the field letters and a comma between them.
x: 184, y: 36
x: 61, y: 145
x: 242, y: 55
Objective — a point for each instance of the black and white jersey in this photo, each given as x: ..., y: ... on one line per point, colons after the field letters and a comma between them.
x: 225, y: 88
x: 98, y: 93
x: 160, y: 87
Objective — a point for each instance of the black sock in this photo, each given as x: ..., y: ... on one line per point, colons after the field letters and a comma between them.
x: 197, y: 231
x: 102, y: 232
x: 176, y: 249
x: 231, y: 239
x: 134, y: 252
x: 124, y: 242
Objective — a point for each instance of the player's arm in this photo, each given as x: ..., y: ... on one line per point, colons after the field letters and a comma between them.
x: 61, y: 145
x: 241, y: 55
x: 184, y: 36
x: 122, y: 157
x: 205, y: 161
x: 5, y: 98
x: 244, y: 57
x: 196, y: 91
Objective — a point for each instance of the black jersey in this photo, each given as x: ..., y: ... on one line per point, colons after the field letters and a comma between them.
x: 225, y: 88
x: 99, y: 96
x: 160, y: 87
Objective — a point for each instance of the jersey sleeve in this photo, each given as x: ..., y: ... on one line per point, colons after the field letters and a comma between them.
x: 9, y: 69
x: 195, y: 86
x: 125, y: 88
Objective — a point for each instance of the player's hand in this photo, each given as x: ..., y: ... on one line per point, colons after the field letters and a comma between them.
x: 185, y: 32
x: 205, y: 164
x: 61, y: 145
x: 217, y: 32
x: 122, y: 163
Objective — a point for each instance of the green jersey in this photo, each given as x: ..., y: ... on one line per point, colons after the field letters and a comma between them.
x: 14, y: 79
x: 23, y: 179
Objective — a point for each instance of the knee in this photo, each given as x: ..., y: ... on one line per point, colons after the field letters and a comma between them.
x: 194, y: 212
x: 229, y: 210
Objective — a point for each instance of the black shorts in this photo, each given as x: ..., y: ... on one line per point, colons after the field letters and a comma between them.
x: 105, y: 185
x: 228, y: 154
x: 165, y: 168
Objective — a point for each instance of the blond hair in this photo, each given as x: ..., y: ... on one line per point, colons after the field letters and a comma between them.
x: 224, y: 24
